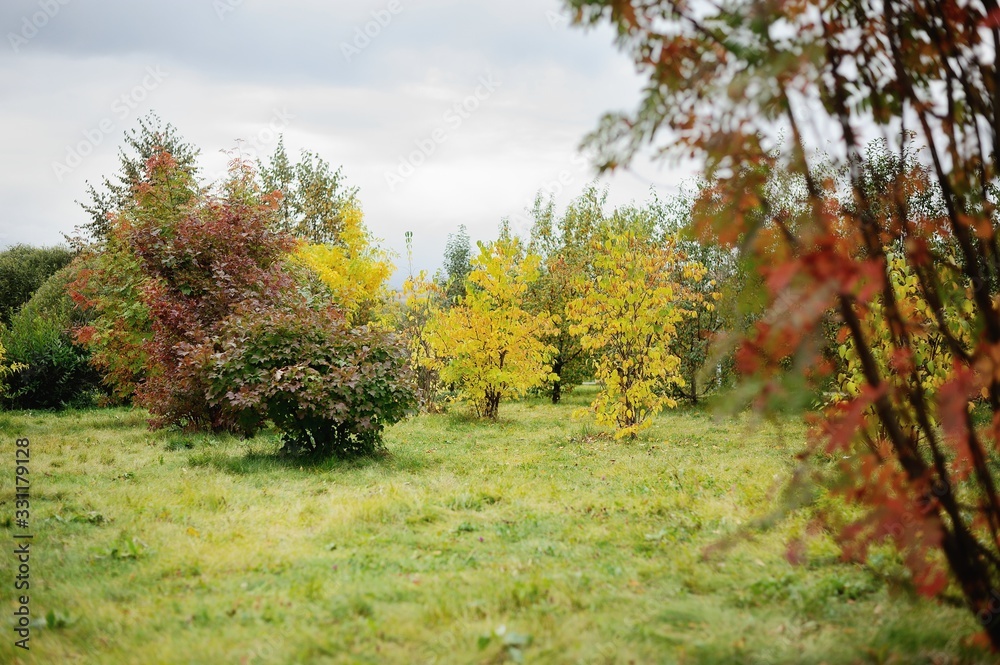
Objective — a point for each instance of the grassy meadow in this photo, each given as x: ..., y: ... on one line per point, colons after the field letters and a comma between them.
x: 532, y: 540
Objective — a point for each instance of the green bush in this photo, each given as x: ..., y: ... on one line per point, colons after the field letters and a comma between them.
x: 52, y: 300
x: 329, y: 389
x: 56, y: 372
x: 23, y: 269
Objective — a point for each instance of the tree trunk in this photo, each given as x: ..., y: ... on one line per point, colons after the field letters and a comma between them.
x: 557, y: 368
x: 491, y: 405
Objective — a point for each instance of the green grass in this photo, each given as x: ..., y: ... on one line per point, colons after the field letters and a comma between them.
x: 463, y: 541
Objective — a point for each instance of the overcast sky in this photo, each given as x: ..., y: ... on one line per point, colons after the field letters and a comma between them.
x: 76, y: 74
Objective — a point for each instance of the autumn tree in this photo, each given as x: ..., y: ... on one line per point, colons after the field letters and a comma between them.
x: 216, y: 258
x: 109, y: 281
x: 318, y: 207
x: 418, y: 306
x: 488, y: 344
x: 628, y: 316
x: 354, y: 268
x: 723, y: 81
x: 237, y: 338
x: 930, y: 350
x: 422, y: 302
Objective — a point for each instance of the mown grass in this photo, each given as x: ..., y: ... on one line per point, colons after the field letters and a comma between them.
x: 462, y: 545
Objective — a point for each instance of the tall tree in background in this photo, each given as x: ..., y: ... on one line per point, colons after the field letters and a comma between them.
x: 457, y: 264
x: 712, y: 301
x: 23, y: 269
x: 924, y: 76
x: 141, y: 144
x: 565, y: 247
x: 317, y: 207
x: 355, y: 268
x: 315, y: 198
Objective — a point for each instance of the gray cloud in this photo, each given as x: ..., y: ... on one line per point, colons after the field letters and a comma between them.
x: 88, y: 72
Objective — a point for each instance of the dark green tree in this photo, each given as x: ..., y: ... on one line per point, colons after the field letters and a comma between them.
x: 23, y: 269
x: 457, y: 264
x: 55, y: 371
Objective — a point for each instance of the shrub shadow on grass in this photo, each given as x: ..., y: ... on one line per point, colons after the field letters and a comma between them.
x: 462, y: 418
x: 108, y: 419
x: 73, y: 420
x: 467, y: 421
x: 255, y: 459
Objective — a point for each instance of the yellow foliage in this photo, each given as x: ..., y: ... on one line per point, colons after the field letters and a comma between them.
x: 356, y: 270
x: 931, y: 355
x: 422, y: 299
x: 488, y: 345
x: 6, y: 370
x: 627, y: 317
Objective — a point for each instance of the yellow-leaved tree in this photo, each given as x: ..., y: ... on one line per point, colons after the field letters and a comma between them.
x: 628, y: 316
x: 421, y: 305
x: 488, y: 345
x: 354, y: 268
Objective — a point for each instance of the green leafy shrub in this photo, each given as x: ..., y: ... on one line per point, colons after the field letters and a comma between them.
x: 23, y: 269
x: 54, y: 371
x: 53, y: 301
x: 328, y: 388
